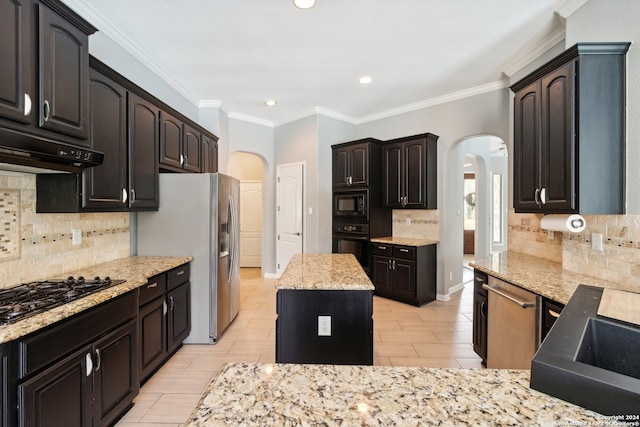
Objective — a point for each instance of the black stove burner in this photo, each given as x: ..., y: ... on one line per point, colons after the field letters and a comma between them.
x: 32, y: 298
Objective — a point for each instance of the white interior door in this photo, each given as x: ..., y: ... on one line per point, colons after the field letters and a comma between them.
x: 290, y: 193
x: 250, y: 223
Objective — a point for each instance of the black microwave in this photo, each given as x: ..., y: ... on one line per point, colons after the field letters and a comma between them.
x: 352, y: 204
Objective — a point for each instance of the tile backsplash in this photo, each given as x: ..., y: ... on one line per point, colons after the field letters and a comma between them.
x: 618, y: 261
x: 416, y: 223
x: 37, y: 246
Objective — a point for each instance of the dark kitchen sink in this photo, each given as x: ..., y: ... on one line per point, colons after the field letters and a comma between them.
x: 589, y: 360
x: 611, y: 346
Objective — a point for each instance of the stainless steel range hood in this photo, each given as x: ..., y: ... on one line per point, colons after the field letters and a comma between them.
x: 29, y: 153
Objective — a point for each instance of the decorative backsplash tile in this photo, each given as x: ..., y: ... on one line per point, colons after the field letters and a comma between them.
x: 9, y: 224
x: 41, y: 244
x: 618, y: 261
x: 416, y: 223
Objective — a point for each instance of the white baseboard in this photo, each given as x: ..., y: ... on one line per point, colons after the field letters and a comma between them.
x: 447, y: 296
x: 271, y: 276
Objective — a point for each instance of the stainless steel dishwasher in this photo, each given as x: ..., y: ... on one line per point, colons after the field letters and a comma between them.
x: 512, y: 336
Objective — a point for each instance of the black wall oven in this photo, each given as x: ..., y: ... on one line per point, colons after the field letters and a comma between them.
x: 349, y: 238
x: 351, y: 205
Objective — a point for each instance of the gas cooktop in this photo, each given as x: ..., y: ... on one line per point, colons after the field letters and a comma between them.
x: 32, y: 298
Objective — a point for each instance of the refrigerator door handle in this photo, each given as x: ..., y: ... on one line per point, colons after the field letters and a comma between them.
x: 232, y: 238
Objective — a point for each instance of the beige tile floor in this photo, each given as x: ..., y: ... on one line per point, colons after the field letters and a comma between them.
x: 435, y: 335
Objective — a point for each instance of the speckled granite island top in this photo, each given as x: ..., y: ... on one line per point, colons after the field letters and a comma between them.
x: 135, y: 270
x: 543, y: 277
x: 406, y: 241
x: 290, y: 395
x: 324, y: 272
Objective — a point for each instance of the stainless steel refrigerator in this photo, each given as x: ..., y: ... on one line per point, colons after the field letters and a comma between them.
x: 199, y: 216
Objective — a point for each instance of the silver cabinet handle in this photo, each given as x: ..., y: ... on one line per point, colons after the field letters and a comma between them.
x: 171, y: 303
x: 389, y: 264
x: 186, y: 161
x: 98, y: 359
x: 523, y: 304
x: 382, y: 247
x: 47, y: 111
x: 483, y: 307
x: 133, y: 196
x: 152, y: 285
x: 543, y: 195
x: 164, y: 308
x: 394, y: 264
x: 404, y: 250
x: 89, y: 363
x: 536, y: 196
x: 181, y: 160
x: 124, y: 195
x: 27, y: 105
x: 179, y: 273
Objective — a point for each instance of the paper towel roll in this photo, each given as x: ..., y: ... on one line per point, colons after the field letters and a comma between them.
x: 557, y: 222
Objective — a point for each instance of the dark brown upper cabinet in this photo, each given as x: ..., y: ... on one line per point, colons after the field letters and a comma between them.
x: 209, y: 155
x: 569, y: 133
x: 44, y: 70
x: 144, y: 140
x: 180, y: 145
x: 409, y: 170
x: 351, y: 164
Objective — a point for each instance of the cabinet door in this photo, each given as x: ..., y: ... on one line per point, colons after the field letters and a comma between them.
x: 153, y: 336
x: 15, y: 67
x: 115, y: 373
x: 558, y: 143
x: 526, y: 149
x: 192, y: 149
x: 170, y: 140
x: 179, y: 317
x: 480, y: 325
x: 60, y: 396
x: 209, y: 155
x: 7, y: 416
x: 392, y: 175
x: 64, y: 80
x: 143, y: 153
x: 381, y: 275
x: 404, y: 278
x: 359, y: 165
x: 415, y: 173
x: 105, y: 186
x: 341, y: 167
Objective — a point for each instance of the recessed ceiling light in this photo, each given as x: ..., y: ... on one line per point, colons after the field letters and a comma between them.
x: 270, y: 103
x: 365, y: 80
x: 304, y: 4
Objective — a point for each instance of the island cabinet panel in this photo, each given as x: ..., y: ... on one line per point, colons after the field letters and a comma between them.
x: 405, y: 273
x: 351, y: 329
x: 569, y: 133
x: 480, y: 311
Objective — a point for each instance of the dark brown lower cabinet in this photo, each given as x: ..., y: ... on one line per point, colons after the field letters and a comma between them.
x: 179, y: 317
x: 405, y: 273
x: 480, y: 313
x: 95, y: 380
x: 153, y: 336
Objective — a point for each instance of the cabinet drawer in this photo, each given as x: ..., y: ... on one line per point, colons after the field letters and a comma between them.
x: 382, y: 249
x: 178, y: 276
x: 404, y: 252
x: 155, y: 287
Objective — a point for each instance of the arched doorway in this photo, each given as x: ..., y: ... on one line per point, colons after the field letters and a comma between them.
x: 249, y: 169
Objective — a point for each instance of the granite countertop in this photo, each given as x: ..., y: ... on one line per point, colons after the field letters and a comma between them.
x: 289, y: 394
x: 135, y: 270
x: 543, y: 277
x: 309, y: 272
x: 406, y: 241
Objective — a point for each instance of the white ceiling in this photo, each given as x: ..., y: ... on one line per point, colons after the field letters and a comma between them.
x: 243, y: 52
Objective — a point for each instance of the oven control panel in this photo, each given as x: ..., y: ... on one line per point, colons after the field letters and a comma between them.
x: 352, y: 228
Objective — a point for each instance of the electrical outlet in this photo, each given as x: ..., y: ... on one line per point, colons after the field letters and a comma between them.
x: 324, y: 326
x: 76, y: 236
x: 407, y: 221
x: 550, y: 234
x: 596, y: 242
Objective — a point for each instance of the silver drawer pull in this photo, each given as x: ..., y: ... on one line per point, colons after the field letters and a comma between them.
x: 180, y: 273
x: 152, y: 285
x: 554, y: 313
x: 404, y: 250
x: 523, y: 304
x: 382, y: 247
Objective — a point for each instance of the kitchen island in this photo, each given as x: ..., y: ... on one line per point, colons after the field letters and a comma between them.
x: 280, y: 395
x: 325, y: 309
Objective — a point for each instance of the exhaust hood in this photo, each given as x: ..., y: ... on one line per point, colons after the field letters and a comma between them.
x: 34, y: 154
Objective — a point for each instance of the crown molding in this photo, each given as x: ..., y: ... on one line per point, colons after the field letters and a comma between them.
x: 251, y: 119
x: 534, y: 53
x: 567, y: 8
